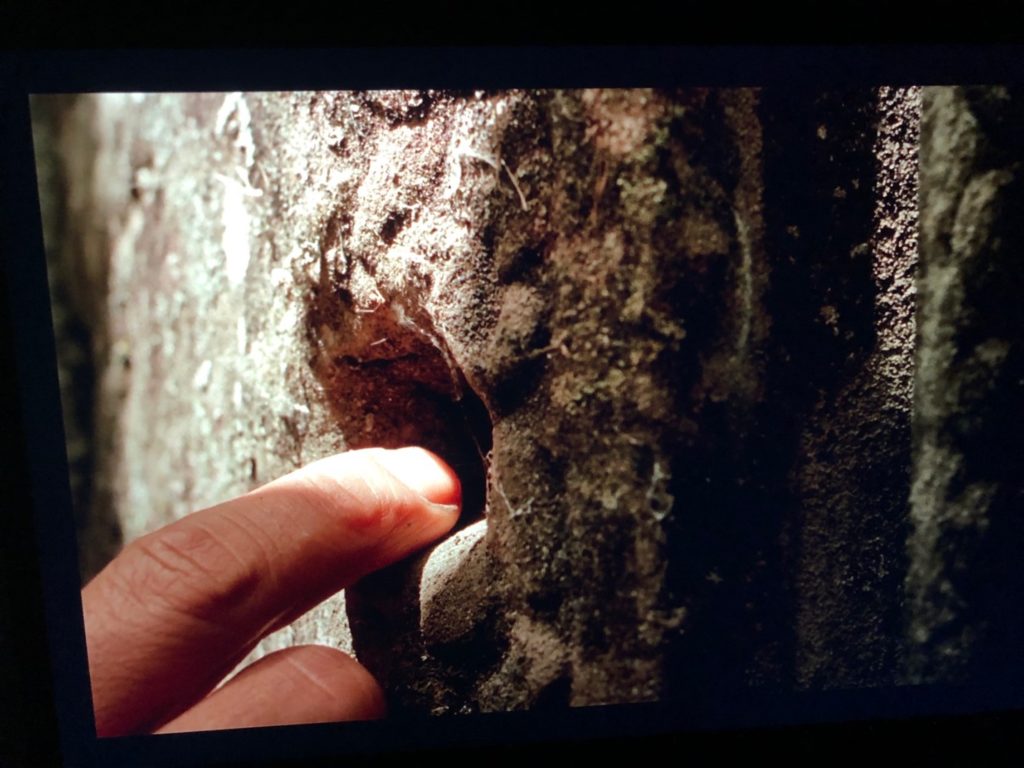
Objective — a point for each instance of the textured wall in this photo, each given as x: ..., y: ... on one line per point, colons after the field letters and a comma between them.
x: 842, y: 196
x: 965, y: 579
x: 666, y: 338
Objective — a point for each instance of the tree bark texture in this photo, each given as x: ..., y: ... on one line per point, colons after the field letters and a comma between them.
x: 965, y: 578
x: 668, y: 339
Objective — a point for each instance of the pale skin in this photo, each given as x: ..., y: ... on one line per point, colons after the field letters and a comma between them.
x: 178, y: 609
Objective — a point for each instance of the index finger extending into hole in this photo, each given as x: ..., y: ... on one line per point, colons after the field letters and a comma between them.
x: 171, y: 615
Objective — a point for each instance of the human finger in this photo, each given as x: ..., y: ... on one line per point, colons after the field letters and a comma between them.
x: 303, y: 684
x: 179, y: 608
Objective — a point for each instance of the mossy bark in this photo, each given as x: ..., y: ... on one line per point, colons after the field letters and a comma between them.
x: 965, y: 579
x: 665, y: 337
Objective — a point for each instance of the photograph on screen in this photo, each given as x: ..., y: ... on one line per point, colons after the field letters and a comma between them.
x: 424, y: 403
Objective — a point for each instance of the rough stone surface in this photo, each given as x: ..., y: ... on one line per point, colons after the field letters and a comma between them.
x: 594, y: 298
x: 665, y: 337
x: 965, y: 578
x: 843, y: 186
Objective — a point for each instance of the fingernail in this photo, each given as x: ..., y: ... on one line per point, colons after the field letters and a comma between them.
x: 445, y: 509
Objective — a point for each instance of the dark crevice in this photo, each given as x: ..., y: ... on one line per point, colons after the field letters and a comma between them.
x: 554, y: 696
x: 391, y: 382
x: 393, y: 225
x: 470, y: 445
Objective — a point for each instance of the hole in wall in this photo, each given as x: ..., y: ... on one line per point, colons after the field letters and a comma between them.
x: 392, y: 226
x: 390, y: 382
x: 466, y: 447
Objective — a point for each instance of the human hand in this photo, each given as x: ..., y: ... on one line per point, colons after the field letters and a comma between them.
x: 179, y: 608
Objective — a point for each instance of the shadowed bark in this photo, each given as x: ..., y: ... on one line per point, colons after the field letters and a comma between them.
x: 666, y: 338
x: 965, y: 579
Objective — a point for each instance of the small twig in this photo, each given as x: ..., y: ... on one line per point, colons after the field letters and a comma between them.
x: 435, y: 339
x: 513, y: 511
x: 512, y: 178
x: 501, y: 492
x: 542, y: 351
x: 465, y: 151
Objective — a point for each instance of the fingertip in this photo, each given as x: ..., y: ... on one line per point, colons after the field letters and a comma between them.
x: 356, y: 693
x: 425, y: 473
